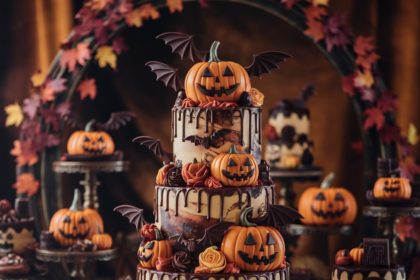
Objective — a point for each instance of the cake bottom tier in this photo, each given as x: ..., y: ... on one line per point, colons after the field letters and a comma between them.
x: 148, y: 274
x: 363, y: 273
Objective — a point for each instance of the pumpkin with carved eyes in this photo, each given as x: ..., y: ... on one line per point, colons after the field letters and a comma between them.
x: 327, y: 206
x: 252, y: 247
x: 71, y: 224
x: 235, y: 169
x: 357, y: 254
x: 392, y: 188
x: 149, y: 252
x: 216, y: 80
x: 90, y: 142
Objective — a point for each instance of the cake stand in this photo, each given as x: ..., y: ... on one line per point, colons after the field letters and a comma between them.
x: 300, y: 229
x: 90, y: 170
x: 73, y: 265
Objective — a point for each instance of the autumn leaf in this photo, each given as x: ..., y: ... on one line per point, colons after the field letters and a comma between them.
x: 357, y: 147
x: 315, y: 30
x: 336, y: 32
x: 87, y: 88
x: 367, y: 94
x: 412, y: 135
x: 24, y: 153
x: 136, y: 17
x: 106, y: 56
x: 364, y: 79
x: 14, y: 114
x: 53, y: 87
x: 63, y: 109
x: 26, y: 183
x: 289, y: 3
x: 320, y: 2
x: 118, y: 45
x: 390, y: 134
x: 314, y: 13
x: 365, y: 50
x: 347, y: 84
x: 69, y: 59
x: 38, y: 79
x: 174, y: 6
x: 387, y: 102
x: 374, y: 118
x: 31, y: 105
x: 51, y: 118
x: 99, y: 5
x: 83, y: 53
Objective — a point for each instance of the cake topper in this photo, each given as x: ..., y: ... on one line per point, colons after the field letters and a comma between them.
x: 133, y: 214
x: 115, y: 121
x: 155, y: 146
x: 183, y: 45
x: 278, y: 216
x: 166, y: 74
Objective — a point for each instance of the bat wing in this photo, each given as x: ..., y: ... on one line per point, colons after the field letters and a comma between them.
x: 279, y: 216
x: 264, y: 62
x: 213, y: 235
x: 133, y: 214
x: 72, y: 121
x: 166, y: 74
x: 154, y: 145
x: 197, y: 140
x: 308, y: 92
x: 116, y: 120
x: 183, y: 45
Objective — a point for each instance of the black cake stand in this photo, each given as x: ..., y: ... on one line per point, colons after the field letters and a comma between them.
x: 90, y: 170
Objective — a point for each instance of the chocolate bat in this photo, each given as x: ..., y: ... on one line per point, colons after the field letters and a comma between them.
x: 216, y: 139
x: 183, y: 45
x: 262, y: 63
x: 133, y: 214
x: 116, y: 120
x: 166, y: 74
x: 72, y: 121
x: 155, y: 146
x: 278, y: 216
x: 308, y: 92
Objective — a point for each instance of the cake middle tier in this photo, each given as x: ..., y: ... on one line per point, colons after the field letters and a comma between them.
x: 203, y: 133
x: 192, y: 210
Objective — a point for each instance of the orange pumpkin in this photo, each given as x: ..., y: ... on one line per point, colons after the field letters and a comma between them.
x: 342, y: 257
x: 216, y: 80
x: 392, y: 188
x: 327, y: 206
x: 252, y: 247
x: 102, y: 241
x: 235, y: 169
x: 68, y: 225
x: 357, y: 255
x: 149, y: 252
x: 90, y: 142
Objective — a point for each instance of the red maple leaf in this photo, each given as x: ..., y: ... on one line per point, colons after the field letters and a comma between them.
x: 51, y: 118
x: 87, y: 88
x: 52, y: 87
x: 118, y: 45
x: 315, y: 30
x: 289, y: 3
x: 314, y: 13
x: 387, y: 102
x: 125, y: 6
x: 365, y: 51
x: 63, y: 109
x: 347, y: 84
x: 336, y: 32
x: 374, y: 118
x: 31, y: 105
x: 69, y: 59
x: 390, y: 134
x: 24, y: 153
x: 83, y: 53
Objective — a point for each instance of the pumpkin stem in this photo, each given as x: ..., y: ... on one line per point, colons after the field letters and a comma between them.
x: 76, y: 205
x: 159, y: 235
x: 213, y: 52
x: 90, y: 126
x: 233, y: 150
x: 195, y: 160
x: 327, y: 182
x: 244, y: 220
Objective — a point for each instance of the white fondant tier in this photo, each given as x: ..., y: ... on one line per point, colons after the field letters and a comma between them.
x: 203, y: 133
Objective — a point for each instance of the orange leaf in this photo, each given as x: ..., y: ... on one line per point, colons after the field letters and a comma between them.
x: 136, y: 17
x: 364, y: 79
x: 174, y: 6
x: 87, y: 88
x: 106, y: 56
x: 26, y: 183
x: 374, y: 118
x: 69, y: 59
x: 99, y: 4
x: 51, y: 88
x: 315, y: 30
x: 83, y: 53
x: 23, y: 153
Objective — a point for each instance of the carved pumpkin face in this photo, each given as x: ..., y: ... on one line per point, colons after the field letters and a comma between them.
x: 327, y: 206
x: 390, y: 187
x: 90, y: 142
x: 71, y: 224
x: 252, y: 247
x: 235, y: 169
x: 216, y: 80
x: 149, y: 252
x: 12, y: 240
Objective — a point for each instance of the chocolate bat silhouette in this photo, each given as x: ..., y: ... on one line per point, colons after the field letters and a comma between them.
x: 155, y: 146
x: 216, y: 139
x: 278, y: 216
x: 115, y: 121
x: 133, y: 214
x: 166, y: 74
x: 183, y: 45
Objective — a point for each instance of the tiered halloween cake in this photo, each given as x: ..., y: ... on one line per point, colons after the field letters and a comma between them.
x: 214, y: 212
x: 289, y: 145
x: 371, y: 260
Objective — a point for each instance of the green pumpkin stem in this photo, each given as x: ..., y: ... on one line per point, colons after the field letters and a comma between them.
x: 327, y: 182
x: 233, y: 150
x: 213, y: 52
x: 159, y: 235
x: 76, y: 205
x: 244, y: 220
x: 90, y: 126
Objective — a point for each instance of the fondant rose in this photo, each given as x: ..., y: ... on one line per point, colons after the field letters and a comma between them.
x: 164, y: 264
x: 181, y: 261
x: 194, y: 173
x: 211, y: 261
x: 212, y: 183
x: 231, y: 268
x: 186, y: 103
x: 227, y: 105
x: 161, y: 175
x: 148, y: 232
x: 174, y: 177
x: 210, y: 104
x: 270, y: 132
x: 257, y: 97
x: 343, y: 258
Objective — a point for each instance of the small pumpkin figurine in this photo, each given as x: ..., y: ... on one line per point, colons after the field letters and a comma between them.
x: 102, y: 241
x: 327, y: 206
x: 216, y: 80
x: 149, y: 252
x: 252, y: 247
x: 392, y: 188
x: 357, y: 254
x: 234, y: 168
x: 68, y: 225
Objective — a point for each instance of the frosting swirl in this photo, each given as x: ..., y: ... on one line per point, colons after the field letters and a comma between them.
x: 161, y: 175
x: 181, y: 262
x: 164, y: 264
x: 257, y: 97
x: 212, y: 183
x: 211, y: 261
x: 195, y: 173
x: 148, y: 232
x: 174, y: 177
x: 187, y: 102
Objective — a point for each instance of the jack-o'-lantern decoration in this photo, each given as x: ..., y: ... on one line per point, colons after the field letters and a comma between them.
x: 327, y: 206
x: 357, y: 255
x: 216, y: 80
x: 16, y: 240
x: 252, y: 247
x: 90, y: 142
x: 149, y: 252
x: 235, y: 169
x: 392, y: 188
x: 102, y: 241
x: 71, y: 224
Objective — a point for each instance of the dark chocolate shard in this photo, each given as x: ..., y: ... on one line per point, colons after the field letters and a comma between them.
x: 155, y: 146
x: 278, y: 216
x: 376, y: 252
x: 116, y: 120
x: 165, y: 74
x: 133, y: 214
x: 308, y: 92
x: 213, y: 235
x: 183, y: 45
x: 264, y: 62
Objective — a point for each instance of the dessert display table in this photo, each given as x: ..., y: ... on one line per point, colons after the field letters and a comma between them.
x: 73, y: 265
x: 299, y: 229
x: 90, y: 170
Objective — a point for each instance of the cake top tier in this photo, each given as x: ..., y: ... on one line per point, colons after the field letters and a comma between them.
x: 10, y: 215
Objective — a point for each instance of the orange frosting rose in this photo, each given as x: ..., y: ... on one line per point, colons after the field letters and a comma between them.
x: 194, y: 173
x: 148, y: 232
x: 161, y: 175
x: 186, y: 103
x: 212, y: 183
x: 211, y: 261
x: 257, y: 97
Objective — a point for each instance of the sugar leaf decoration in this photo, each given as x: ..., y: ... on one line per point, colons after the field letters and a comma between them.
x: 106, y: 56
x: 87, y: 88
x: 26, y: 183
